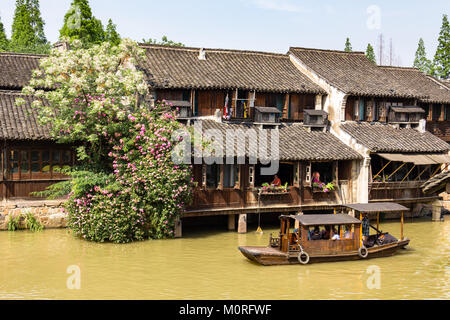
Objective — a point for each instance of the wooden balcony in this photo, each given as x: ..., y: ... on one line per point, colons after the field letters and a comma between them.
x: 396, y: 191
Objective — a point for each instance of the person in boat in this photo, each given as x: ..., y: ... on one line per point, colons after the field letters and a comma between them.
x: 348, y: 232
x: 276, y: 181
x: 315, y: 234
x: 296, y: 235
x: 335, y: 234
x: 326, y: 233
x: 365, y: 227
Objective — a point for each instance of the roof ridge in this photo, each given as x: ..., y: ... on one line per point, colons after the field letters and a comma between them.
x: 437, y: 81
x: 327, y: 50
x: 232, y: 51
x: 6, y: 91
x: 29, y: 55
x: 399, y: 67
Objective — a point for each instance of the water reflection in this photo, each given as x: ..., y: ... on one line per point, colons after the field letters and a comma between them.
x: 207, y: 265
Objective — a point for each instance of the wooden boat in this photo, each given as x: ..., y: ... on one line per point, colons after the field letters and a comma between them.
x: 297, y: 247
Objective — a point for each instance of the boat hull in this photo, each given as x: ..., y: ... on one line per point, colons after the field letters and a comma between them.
x: 268, y: 256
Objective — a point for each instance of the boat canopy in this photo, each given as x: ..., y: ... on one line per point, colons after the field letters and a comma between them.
x: 377, y: 207
x: 325, y: 219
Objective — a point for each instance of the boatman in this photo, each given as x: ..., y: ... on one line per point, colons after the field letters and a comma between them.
x: 365, y: 227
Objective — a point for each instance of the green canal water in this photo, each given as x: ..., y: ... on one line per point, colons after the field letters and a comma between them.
x: 207, y: 265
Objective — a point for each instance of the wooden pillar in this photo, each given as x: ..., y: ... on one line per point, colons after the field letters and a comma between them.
x: 378, y: 220
x: 231, y: 222
x: 441, y: 116
x: 401, y: 234
x: 242, y: 224
x: 360, y: 229
x: 178, y: 228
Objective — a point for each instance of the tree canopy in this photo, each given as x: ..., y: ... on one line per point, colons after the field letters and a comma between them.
x: 348, y: 46
x: 80, y: 24
x: 370, y: 53
x: 421, y: 62
x: 4, y: 43
x: 112, y: 36
x: 164, y: 41
x: 28, y: 28
x: 441, y: 63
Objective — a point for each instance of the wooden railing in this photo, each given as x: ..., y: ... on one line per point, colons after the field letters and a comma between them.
x: 395, y: 190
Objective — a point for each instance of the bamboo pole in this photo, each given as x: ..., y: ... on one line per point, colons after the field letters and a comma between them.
x: 378, y: 220
x: 381, y: 170
x: 360, y: 230
x: 401, y: 234
x: 397, y: 170
x: 418, y: 177
x: 409, y: 173
x: 434, y: 173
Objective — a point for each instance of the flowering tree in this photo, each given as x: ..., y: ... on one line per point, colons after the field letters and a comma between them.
x: 95, y: 89
x: 127, y: 187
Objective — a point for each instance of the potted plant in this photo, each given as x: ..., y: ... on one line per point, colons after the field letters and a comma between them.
x: 328, y: 187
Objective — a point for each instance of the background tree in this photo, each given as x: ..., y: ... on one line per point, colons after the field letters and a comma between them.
x: 36, y: 21
x: 80, y: 24
x: 28, y: 28
x: 348, y: 46
x: 421, y: 62
x: 111, y: 34
x: 370, y: 53
x: 441, y: 63
x: 4, y: 43
x: 164, y: 41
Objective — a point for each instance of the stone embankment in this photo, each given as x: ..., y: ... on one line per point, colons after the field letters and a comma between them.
x: 48, y: 212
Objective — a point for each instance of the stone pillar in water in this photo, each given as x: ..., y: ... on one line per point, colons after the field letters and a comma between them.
x: 437, y: 208
x: 231, y: 222
x: 242, y: 224
x: 178, y: 228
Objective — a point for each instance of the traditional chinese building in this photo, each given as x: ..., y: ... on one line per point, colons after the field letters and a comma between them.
x: 28, y: 158
x: 346, y: 130
x: 246, y: 91
x: 382, y: 113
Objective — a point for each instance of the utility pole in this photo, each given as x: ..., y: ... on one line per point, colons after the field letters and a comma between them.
x: 380, y: 47
x: 390, y: 52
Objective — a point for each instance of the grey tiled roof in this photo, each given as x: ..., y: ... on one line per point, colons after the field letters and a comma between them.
x: 295, y: 142
x: 379, y: 137
x: 432, y: 89
x: 16, y: 69
x: 19, y: 123
x: 437, y: 183
x: 352, y: 73
x: 179, y: 67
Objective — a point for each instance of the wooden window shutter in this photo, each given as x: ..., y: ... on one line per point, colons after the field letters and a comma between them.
x: 220, y: 177
x: 308, y: 174
x: 335, y: 172
x: 251, y: 176
x: 297, y: 174
x: 204, y: 176
x: 237, y: 176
